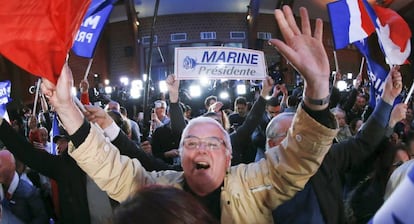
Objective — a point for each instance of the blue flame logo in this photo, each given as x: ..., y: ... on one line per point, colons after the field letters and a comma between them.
x: 189, y: 63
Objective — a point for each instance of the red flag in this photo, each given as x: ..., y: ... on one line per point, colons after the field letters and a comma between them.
x: 37, y: 35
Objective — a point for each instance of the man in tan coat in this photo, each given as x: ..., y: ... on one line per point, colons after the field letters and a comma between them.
x: 239, y: 194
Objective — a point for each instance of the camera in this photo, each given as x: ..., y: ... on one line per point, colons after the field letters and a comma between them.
x: 276, y: 73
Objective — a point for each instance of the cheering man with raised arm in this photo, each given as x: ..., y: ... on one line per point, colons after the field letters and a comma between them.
x: 238, y: 194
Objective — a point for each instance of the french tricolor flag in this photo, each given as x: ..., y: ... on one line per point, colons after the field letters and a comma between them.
x: 393, y: 32
x: 350, y: 22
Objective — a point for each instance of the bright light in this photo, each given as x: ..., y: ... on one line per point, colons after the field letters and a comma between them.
x: 124, y: 80
x: 74, y: 91
x: 224, y: 95
x: 195, y: 90
x: 354, y: 81
x: 137, y: 83
x: 163, y: 86
x: 106, y: 82
x: 95, y: 75
x: 135, y: 93
x: 204, y: 81
x: 241, y: 89
x: 144, y: 77
x: 108, y: 89
x: 349, y: 75
x: 342, y: 85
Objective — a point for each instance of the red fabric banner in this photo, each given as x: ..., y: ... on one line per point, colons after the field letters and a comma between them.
x: 36, y: 35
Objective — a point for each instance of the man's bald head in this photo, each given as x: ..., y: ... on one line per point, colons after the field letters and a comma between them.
x: 7, y: 167
x: 277, y: 129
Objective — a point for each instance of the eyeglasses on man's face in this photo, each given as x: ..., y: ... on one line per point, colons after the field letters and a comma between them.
x: 211, y: 143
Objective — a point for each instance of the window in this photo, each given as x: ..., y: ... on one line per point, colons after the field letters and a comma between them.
x: 179, y: 37
x: 238, y: 35
x: 208, y: 35
x: 146, y: 39
x: 264, y: 35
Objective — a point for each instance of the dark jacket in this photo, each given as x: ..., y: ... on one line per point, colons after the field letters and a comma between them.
x: 26, y: 204
x: 62, y: 168
x: 341, y: 158
x: 69, y: 176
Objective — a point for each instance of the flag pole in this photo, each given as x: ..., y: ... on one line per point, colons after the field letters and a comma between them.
x: 36, y: 96
x: 409, y: 93
x: 336, y: 61
x: 362, y: 65
x: 85, y: 77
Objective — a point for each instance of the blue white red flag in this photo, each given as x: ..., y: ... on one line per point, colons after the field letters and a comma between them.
x: 91, y: 28
x: 55, y: 132
x: 377, y: 74
x: 5, y: 88
x: 393, y: 32
x: 349, y: 22
x: 398, y: 207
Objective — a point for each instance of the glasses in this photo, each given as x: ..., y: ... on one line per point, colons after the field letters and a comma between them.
x: 211, y: 143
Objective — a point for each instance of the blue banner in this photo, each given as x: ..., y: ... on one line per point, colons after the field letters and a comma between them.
x: 90, y: 31
x: 98, y: 5
x: 376, y: 74
x: 5, y: 89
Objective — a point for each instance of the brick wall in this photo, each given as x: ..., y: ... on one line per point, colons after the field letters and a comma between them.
x: 115, y: 55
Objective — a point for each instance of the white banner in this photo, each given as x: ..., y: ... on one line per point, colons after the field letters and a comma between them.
x: 219, y: 63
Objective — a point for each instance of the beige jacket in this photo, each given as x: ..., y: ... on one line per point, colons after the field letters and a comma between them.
x: 250, y: 192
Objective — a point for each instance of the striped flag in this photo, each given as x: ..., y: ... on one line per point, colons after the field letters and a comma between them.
x: 350, y: 22
x: 393, y: 33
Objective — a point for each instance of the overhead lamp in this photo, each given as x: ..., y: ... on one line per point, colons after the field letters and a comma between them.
x: 224, y: 95
x: 241, y: 89
x: 195, y: 90
x: 135, y: 93
x: 342, y: 85
x: 137, y: 83
x: 108, y: 89
x: 163, y: 86
x: 204, y: 81
x: 106, y: 81
x: 124, y: 80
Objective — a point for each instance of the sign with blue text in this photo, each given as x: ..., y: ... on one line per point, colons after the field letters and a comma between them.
x: 219, y: 63
x: 90, y: 31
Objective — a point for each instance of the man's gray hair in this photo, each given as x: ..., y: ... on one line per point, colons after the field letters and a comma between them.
x: 274, y: 127
x: 206, y: 120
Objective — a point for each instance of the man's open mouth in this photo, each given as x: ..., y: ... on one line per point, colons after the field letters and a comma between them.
x: 202, y: 165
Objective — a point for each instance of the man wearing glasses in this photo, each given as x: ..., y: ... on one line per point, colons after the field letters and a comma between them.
x: 238, y: 194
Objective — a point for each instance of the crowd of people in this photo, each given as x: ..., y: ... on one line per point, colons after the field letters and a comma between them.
x: 310, y: 155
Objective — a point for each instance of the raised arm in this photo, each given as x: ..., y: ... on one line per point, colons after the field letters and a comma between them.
x: 298, y: 157
x: 306, y: 54
x: 176, y: 114
x: 351, y: 153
